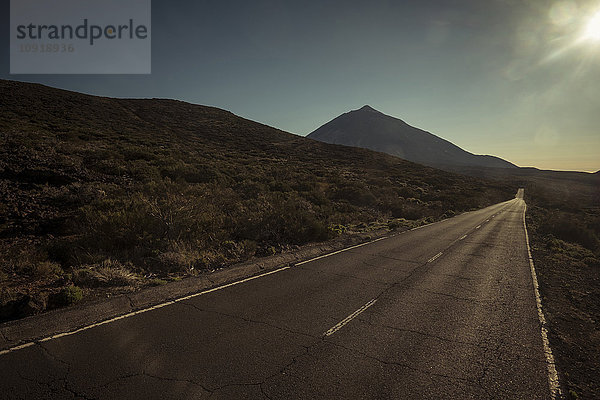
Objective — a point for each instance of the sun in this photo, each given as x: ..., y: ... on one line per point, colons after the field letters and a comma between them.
x: 592, y: 31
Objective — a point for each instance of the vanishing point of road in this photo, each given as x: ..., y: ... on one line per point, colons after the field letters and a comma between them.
x: 446, y: 311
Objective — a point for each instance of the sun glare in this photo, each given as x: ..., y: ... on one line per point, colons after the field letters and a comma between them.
x: 592, y: 30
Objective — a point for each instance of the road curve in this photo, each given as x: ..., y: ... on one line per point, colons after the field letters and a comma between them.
x: 446, y: 311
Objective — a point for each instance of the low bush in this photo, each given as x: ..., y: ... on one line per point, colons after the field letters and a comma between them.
x: 108, y: 273
x: 570, y: 228
x: 65, y: 297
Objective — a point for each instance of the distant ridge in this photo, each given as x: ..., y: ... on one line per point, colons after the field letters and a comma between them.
x: 374, y: 130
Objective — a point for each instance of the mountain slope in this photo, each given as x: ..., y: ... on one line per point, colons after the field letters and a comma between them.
x: 110, y: 193
x: 371, y: 129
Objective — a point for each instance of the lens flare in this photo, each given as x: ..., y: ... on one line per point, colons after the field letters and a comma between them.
x: 592, y: 30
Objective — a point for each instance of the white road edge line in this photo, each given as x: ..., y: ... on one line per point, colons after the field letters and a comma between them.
x: 340, y: 251
x: 131, y: 314
x: 349, y: 318
x: 432, y: 259
x: 555, y: 391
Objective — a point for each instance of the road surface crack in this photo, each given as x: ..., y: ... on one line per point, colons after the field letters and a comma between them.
x: 230, y: 385
x: 149, y: 375
x: 402, y: 365
x: 453, y: 276
x: 474, y: 382
x: 422, y: 334
x: 496, y: 353
x: 481, y: 377
x: 169, y: 379
x: 65, y: 381
x: 466, y: 299
x: 262, y: 390
x: 130, y: 301
x: 370, y: 265
x: 54, y: 357
x: 249, y: 320
x: 386, y: 257
x: 75, y: 393
x: 56, y: 384
x: 282, y: 371
x: 347, y: 276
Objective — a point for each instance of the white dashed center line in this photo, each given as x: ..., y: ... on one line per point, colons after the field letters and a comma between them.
x: 349, y: 318
x: 432, y: 259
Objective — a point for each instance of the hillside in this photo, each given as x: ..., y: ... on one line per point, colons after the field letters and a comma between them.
x: 371, y: 129
x: 99, y: 193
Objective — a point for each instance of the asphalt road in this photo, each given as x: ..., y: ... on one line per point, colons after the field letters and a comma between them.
x: 443, y: 312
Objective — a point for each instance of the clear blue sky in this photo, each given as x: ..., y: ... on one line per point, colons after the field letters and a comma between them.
x: 513, y: 78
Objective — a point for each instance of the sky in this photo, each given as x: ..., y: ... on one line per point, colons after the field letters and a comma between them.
x: 519, y: 79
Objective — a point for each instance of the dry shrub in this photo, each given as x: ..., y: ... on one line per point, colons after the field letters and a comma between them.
x: 107, y: 273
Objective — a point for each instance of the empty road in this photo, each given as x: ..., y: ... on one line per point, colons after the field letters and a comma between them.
x: 446, y: 311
